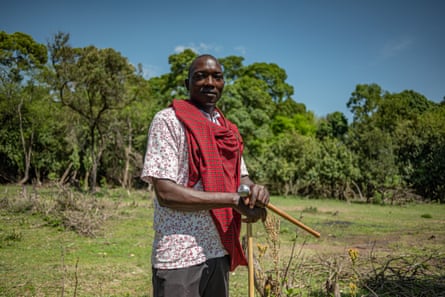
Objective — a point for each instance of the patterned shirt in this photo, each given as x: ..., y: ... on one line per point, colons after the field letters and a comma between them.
x: 182, y: 239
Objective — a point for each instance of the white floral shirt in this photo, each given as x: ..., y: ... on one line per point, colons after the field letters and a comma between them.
x: 182, y: 239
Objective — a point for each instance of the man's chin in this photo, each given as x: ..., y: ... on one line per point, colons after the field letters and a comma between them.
x: 207, y: 104
x: 209, y: 99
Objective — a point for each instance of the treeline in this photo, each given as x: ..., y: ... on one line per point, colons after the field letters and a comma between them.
x: 80, y: 116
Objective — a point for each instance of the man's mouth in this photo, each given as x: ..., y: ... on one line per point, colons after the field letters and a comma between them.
x: 210, y: 94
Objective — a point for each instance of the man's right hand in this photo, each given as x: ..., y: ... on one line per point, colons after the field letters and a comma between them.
x: 252, y: 215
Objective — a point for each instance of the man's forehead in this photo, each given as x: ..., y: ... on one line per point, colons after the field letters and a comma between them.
x: 206, y: 63
x: 211, y: 62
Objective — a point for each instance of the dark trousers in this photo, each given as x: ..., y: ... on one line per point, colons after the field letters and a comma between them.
x: 209, y: 279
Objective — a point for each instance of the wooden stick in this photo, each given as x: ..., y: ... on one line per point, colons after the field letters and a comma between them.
x: 251, y: 272
x: 292, y: 220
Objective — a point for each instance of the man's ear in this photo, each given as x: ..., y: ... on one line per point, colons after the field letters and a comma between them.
x: 186, y: 84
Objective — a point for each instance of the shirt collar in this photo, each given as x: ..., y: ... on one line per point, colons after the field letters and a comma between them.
x: 213, y: 118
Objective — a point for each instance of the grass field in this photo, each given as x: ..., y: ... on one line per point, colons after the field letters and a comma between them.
x: 403, y: 247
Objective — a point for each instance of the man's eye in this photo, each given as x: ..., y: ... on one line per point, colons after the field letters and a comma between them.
x: 218, y: 77
x: 200, y: 76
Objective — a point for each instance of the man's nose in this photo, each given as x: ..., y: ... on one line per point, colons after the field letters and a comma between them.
x: 210, y: 80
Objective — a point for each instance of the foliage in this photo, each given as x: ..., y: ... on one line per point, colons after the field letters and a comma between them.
x: 393, y: 136
x: 274, y: 77
x: 422, y: 153
x: 91, y: 83
x: 80, y: 115
x: 334, y: 125
x: 24, y: 104
x: 364, y: 101
x: 19, y: 54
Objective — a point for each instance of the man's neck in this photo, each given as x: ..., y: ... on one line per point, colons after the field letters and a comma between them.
x: 208, y: 109
x: 211, y: 117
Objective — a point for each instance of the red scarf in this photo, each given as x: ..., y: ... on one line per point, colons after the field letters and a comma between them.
x: 215, y: 158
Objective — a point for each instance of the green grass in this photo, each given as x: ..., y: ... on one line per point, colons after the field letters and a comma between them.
x: 37, y: 259
x: 48, y: 262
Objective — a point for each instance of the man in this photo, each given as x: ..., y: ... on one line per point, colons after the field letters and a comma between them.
x: 194, y: 161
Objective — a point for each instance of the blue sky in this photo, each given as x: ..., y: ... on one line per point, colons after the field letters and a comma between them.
x: 325, y: 47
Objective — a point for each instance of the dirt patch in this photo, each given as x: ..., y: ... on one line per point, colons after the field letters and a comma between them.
x: 382, y: 245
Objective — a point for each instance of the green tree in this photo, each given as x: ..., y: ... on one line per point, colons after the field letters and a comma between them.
x: 373, y: 145
x: 247, y: 103
x: 399, y: 107
x: 364, y: 101
x: 422, y: 153
x: 274, y: 77
x: 289, y: 108
x: 179, y: 68
x: 333, y: 125
x: 91, y: 82
x: 123, y: 158
x: 19, y: 55
x: 21, y: 59
x: 292, y: 164
x: 232, y: 66
x: 337, y: 168
x: 303, y: 123
x: 377, y: 163
x: 166, y: 87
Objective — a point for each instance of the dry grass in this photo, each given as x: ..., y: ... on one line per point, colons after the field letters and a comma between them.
x: 400, y: 248
x: 402, y: 253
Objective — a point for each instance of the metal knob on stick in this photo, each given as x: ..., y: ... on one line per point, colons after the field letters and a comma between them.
x: 244, y: 191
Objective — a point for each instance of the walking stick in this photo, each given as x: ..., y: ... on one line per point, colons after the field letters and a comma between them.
x: 292, y: 220
x: 244, y: 191
x: 251, y: 272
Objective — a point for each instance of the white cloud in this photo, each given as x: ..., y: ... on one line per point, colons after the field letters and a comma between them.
x: 241, y: 50
x: 394, y: 47
x: 204, y: 48
x: 181, y: 48
x: 200, y: 48
x: 149, y: 71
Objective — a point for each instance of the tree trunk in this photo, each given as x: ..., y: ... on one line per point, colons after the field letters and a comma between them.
x: 62, y: 180
x: 358, y: 189
x: 96, y: 160
x: 38, y: 180
x: 86, y: 180
x: 27, y: 152
x: 93, y: 177
x: 125, y: 180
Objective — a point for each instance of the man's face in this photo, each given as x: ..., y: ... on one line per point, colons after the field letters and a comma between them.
x: 205, y: 83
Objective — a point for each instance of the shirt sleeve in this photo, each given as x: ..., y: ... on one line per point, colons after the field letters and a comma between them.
x: 162, y: 154
x: 244, y: 171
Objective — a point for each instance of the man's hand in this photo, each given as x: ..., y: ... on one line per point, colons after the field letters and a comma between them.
x: 253, y: 205
x: 251, y: 215
x: 259, y: 196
